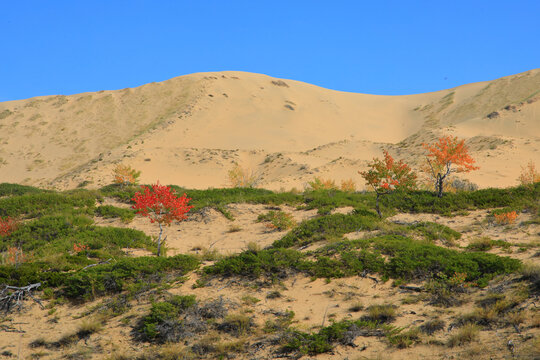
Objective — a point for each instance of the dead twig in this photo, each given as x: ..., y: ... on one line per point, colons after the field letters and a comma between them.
x: 13, y: 296
x: 99, y: 263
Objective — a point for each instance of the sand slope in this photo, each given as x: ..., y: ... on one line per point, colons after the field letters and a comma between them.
x: 192, y: 129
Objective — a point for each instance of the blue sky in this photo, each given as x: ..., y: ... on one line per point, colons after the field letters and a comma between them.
x: 378, y: 47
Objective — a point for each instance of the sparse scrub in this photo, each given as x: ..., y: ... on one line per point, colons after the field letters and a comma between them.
x: 163, y: 323
x: 278, y: 220
x: 405, y: 339
x: 433, y: 231
x: 318, y: 184
x: 234, y: 228
x: 343, y: 332
x: 356, y: 307
x: 432, y: 326
x: 483, y: 243
x: 529, y: 175
x: 348, y: 186
x: 240, y: 177
x: 327, y: 226
x: 236, y: 324
x: 531, y: 272
x: 380, y: 313
x: 466, y: 334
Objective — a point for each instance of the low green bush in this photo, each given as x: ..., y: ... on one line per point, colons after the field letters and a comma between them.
x: 7, y: 189
x: 109, y: 212
x: 43, y: 203
x: 98, y: 280
x: 410, y: 259
x: 406, y: 259
x: 325, y: 227
x: 120, y: 192
x: 152, y: 326
x: 343, y: 332
x: 55, y: 236
x: 433, y: 231
x: 327, y: 200
x: 112, y: 278
x: 428, y: 202
x: 271, y: 262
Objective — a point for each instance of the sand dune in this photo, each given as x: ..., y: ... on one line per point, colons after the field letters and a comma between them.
x: 192, y: 129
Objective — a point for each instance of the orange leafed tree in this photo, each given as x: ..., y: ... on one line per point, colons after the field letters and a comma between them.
x: 387, y: 175
x: 447, y: 155
x: 125, y: 175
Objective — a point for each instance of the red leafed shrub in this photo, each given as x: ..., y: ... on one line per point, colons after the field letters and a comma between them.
x: 8, y: 225
x: 80, y: 247
x: 161, y: 205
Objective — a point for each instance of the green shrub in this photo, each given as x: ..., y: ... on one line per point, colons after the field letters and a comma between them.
x: 109, y: 211
x: 327, y: 200
x: 410, y: 259
x: 271, y: 262
x: 55, y: 236
x: 324, y: 227
x: 112, y: 278
x: 42, y: 203
x: 221, y: 197
x: 343, y: 332
x: 428, y: 202
x: 152, y: 327
x: 433, y: 231
x: 120, y: 192
x: 7, y: 189
x: 405, y: 259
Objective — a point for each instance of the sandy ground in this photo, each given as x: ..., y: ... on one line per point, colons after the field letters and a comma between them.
x: 315, y: 303
x: 193, y: 129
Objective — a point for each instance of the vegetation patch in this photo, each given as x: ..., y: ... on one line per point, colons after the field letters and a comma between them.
x: 111, y: 212
x: 405, y: 259
x: 433, y: 231
x: 343, y: 332
x: 326, y: 227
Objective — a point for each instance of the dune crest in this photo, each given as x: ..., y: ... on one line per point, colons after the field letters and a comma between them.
x: 192, y: 129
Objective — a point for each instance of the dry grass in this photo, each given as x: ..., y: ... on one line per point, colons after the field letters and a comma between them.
x: 381, y: 313
x: 356, y: 307
x: 240, y: 177
x: 466, y: 334
x: 531, y: 350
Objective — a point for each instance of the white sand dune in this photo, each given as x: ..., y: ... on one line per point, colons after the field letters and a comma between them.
x: 192, y: 129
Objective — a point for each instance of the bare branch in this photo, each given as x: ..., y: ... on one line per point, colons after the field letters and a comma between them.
x: 99, y: 263
x: 13, y: 296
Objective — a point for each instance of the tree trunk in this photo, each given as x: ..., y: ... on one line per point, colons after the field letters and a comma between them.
x: 377, y: 206
x: 159, y: 240
x: 439, y: 186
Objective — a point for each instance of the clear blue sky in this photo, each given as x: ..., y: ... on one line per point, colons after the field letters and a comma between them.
x: 379, y: 47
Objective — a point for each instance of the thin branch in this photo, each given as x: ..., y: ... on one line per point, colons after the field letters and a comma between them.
x: 13, y: 296
x: 99, y: 263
